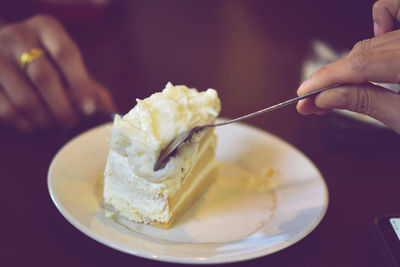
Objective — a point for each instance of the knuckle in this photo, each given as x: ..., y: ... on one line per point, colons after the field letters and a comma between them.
x: 12, y: 29
x: 64, y: 53
x: 321, y: 72
x: 378, y: 5
x: 359, y: 56
x: 39, y: 76
x: 362, y: 45
x: 11, y: 34
x: 364, y: 101
x: 6, y: 112
x: 25, y: 105
x: 42, y: 19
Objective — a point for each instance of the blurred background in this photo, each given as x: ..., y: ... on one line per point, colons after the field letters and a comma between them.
x: 250, y: 51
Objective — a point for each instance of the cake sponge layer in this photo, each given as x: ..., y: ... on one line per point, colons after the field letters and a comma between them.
x: 158, y: 203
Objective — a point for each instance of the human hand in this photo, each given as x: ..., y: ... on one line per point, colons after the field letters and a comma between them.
x: 384, y: 12
x: 376, y: 59
x: 52, y: 91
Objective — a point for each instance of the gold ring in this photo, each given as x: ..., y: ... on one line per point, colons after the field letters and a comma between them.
x: 29, y: 56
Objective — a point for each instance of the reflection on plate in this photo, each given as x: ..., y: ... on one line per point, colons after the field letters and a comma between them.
x: 238, y: 218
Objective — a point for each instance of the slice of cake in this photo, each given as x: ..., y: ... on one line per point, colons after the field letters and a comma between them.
x: 131, y: 186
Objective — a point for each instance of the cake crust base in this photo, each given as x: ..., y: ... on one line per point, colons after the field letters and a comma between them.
x: 200, y: 189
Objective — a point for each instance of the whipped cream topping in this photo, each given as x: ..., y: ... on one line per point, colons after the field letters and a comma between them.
x: 144, y: 131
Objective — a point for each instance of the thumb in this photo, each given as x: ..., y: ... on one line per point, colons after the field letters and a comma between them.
x: 368, y: 99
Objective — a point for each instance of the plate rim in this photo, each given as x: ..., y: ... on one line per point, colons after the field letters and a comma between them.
x: 190, y: 260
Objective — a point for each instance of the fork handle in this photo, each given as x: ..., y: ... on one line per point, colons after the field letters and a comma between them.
x: 280, y: 105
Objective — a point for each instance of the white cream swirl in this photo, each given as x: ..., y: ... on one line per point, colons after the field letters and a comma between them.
x: 144, y: 131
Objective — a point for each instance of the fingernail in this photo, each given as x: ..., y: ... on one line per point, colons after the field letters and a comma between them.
x: 302, y: 109
x: 376, y: 28
x: 89, y: 106
x: 299, y: 103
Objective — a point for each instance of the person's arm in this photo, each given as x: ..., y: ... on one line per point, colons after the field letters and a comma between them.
x: 55, y: 87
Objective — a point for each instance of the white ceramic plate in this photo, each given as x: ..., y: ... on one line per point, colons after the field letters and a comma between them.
x: 236, y: 219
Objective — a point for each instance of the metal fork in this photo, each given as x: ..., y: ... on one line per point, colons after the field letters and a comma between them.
x: 184, y: 137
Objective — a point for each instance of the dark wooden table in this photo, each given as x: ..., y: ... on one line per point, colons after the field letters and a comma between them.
x: 252, y: 53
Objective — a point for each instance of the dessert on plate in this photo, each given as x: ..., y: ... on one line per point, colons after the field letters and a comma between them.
x: 131, y: 186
